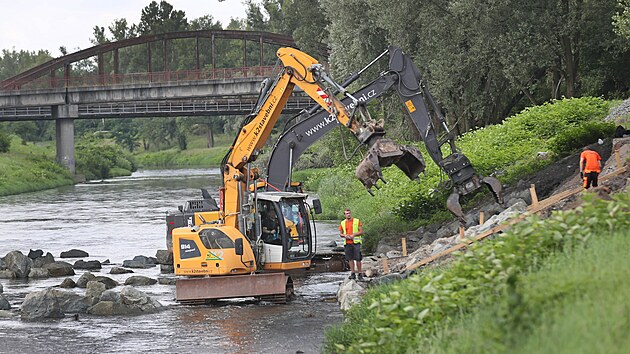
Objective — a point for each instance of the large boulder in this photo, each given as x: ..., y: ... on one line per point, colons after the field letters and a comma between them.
x: 94, y: 290
x: 140, y: 262
x: 7, y: 274
x: 53, y: 303
x: 129, y: 302
x: 40, y: 262
x: 91, y: 265
x: 167, y: 268
x: 164, y: 257
x: 139, y: 280
x: 74, y: 253
x: 68, y: 283
x: 167, y: 281
x: 119, y: 270
x: 36, y: 273
x: 4, y: 303
x: 108, y: 308
x: 34, y: 254
x: 108, y: 282
x: 87, y: 277
x: 110, y: 295
x: 84, y: 279
x: 59, y: 269
x: 349, y: 293
x: 71, y: 302
x: 41, y: 305
x: 136, y: 299
x: 18, y: 263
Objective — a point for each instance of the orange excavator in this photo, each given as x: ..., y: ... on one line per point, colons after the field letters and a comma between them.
x: 246, y: 247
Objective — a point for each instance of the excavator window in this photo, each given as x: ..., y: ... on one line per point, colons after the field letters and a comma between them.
x: 296, y: 224
x: 215, y: 239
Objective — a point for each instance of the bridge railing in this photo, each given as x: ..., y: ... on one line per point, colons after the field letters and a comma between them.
x: 141, y: 78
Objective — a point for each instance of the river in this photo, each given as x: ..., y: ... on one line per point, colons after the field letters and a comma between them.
x: 120, y: 218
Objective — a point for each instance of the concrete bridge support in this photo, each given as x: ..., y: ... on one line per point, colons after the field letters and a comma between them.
x: 64, y: 116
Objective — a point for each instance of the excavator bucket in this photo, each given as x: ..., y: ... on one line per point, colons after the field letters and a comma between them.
x: 384, y: 153
x: 275, y: 287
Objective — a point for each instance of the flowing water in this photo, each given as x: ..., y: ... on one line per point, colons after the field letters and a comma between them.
x: 120, y: 218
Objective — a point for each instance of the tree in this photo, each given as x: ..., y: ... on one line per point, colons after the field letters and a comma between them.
x: 125, y: 133
x: 621, y: 19
x: 161, y: 18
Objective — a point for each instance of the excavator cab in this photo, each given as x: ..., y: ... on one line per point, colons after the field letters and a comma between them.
x: 286, y: 239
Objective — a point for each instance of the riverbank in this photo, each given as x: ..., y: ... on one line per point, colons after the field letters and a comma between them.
x: 196, y: 155
x: 466, y: 303
x: 29, y: 168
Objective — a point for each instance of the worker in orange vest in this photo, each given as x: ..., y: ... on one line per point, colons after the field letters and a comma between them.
x: 351, y: 230
x: 590, y: 167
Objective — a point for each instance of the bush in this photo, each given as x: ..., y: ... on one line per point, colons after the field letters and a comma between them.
x: 5, y: 142
x: 96, y: 158
x: 580, y: 136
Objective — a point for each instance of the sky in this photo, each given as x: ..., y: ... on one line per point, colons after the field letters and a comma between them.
x: 47, y: 24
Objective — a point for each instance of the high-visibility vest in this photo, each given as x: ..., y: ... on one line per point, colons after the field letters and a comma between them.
x: 355, y: 229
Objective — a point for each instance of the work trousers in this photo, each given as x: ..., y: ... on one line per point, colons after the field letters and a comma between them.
x: 590, y: 178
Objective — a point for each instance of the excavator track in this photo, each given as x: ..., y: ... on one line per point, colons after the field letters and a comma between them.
x: 274, y: 287
x: 288, y: 295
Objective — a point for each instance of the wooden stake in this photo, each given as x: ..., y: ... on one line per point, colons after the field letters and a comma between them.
x: 617, y: 158
x: 404, y: 247
x: 532, y: 192
x: 482, y: 217
x: 385, y: 266
x: 462, y: 232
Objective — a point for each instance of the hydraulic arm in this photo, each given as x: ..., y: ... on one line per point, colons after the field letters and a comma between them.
x: 404, y: 78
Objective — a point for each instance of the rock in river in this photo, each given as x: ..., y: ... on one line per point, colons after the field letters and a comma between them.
x: 4, y: 303
x: 131, y: 301
x: 140, y: 280
x: 74, y: 253
x: 91, y: 265
x: 119, y: 270
x: 59, y: 269
x: 140, y: 262
x: 18, y: 263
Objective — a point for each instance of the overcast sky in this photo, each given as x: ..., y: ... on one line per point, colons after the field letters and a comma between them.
x: 48, y: 24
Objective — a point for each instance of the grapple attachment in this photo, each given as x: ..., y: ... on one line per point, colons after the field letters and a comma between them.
x: 384, y: 153
x: 452, y: 203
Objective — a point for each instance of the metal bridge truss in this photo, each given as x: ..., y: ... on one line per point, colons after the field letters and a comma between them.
x: 199, y: 107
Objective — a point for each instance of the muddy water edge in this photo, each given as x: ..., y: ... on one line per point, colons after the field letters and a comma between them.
x: 120, y: 218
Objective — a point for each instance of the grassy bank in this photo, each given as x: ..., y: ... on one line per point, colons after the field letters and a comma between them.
x: 536, y: 288
x: 197, y: 154
x: 508, y: 150
x: 30, y: 168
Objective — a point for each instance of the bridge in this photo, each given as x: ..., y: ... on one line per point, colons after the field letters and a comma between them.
x: 53, y: 91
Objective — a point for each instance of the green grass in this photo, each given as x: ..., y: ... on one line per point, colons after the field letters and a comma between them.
x: 196, y: 154
x: 29, y: 168
x: 577, y: 303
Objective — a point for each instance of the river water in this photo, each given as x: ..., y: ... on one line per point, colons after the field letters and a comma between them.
x: 120, y: 218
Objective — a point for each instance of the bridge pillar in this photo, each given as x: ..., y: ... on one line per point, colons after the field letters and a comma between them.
x: 64, y: 116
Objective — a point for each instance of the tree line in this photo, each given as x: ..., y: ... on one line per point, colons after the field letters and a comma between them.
x: 483, y: 60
